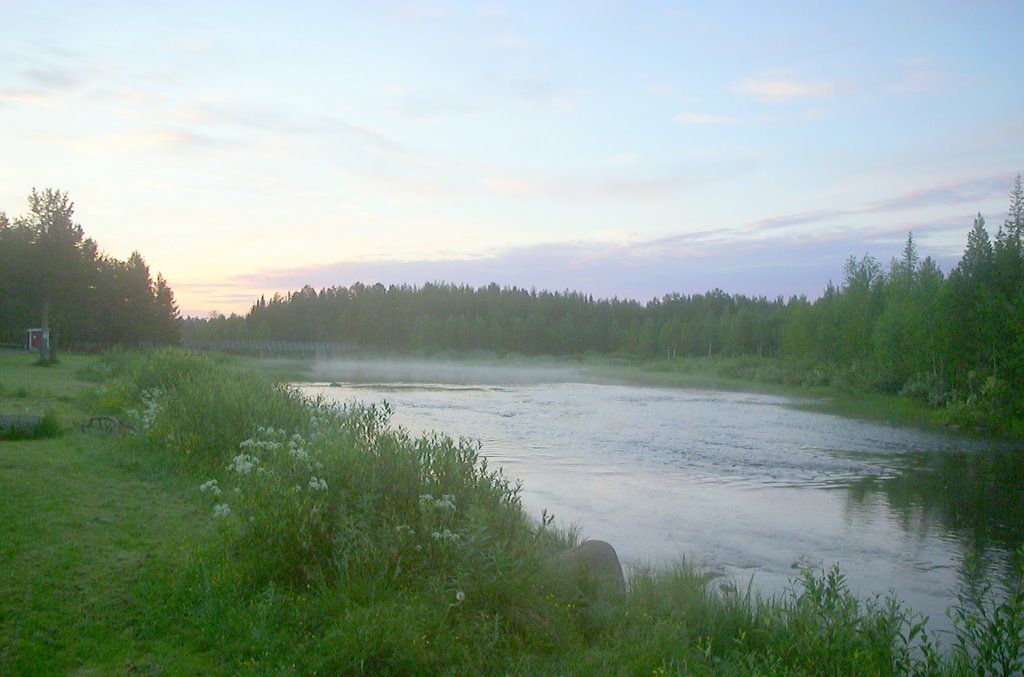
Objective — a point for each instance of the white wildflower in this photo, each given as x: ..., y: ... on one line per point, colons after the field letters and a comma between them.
x: 445, y: 535
x: 210, y: 488
x: 446, y: 503
x: 460, y: 596
x: 221, y: 510
x: 243, y: 464
x: 317, y: 484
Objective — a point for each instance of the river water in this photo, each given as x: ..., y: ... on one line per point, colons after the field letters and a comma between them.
x: 744, y: 485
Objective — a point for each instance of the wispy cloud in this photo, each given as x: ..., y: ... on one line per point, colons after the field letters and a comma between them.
x: 509, y: 41
x: 278, y: 122
x: 787, y: 254
x: 967, y: 194
x: 29, y: 96
x: 781, y: 89
x: 642, y: 270
x: 968, y: 191
x: 155, y: 139
x: 587, y: 188
x: 660, y: 88
x: 703, y: 119
x: 916, y: 82
x: 51, y: 77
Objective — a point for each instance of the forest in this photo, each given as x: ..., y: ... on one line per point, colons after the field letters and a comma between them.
x: 52, y: 276
x: 955, y: 340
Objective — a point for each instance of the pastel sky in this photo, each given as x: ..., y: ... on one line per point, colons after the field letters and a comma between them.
x: 626, y: 149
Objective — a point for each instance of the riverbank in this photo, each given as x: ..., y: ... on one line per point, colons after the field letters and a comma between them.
x: 769, y: 376
x: 243, y: 530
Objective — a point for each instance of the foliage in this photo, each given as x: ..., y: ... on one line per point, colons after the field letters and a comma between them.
x: 990, y: 632
x: 439, y: 318
x: 52, y: 276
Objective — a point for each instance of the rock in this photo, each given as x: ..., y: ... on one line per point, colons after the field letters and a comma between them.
x: 597, y: 561
x: 25, y: 423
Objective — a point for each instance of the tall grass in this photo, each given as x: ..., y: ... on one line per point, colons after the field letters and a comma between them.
x: 345, y: 546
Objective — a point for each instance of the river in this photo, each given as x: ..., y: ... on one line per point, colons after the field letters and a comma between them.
x: 744, y: 485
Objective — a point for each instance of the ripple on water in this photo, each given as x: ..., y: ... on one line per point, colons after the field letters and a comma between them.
x: 740, y: 482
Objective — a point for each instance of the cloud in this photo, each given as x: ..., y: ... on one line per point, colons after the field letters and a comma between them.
x: 51, y: 78
x: 799, y: 219
x: 509, y: 41
x: 283, y: 123
x: 703, y: 119
x: 917, y: 81
x: 419, y: 103
x: 588, y: 188
x: 157, y: 138
x: 31, y: 96
x: 779, y: 89
x: 784, y: 266
x: 968, y: 191
x: 788, y: 254
x: 420, y: 10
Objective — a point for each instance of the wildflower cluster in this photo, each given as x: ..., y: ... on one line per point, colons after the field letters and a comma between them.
x: 149, y: 409
x: 278, y: 481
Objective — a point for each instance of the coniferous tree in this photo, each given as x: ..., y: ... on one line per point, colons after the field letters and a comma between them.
x: 59, y: 263
x: 54, y: 276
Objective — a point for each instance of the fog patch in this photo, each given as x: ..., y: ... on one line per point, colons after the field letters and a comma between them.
x: 363, y: 371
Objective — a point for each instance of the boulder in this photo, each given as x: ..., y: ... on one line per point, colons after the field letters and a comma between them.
x: 596, y: 561
x: 24, y: 423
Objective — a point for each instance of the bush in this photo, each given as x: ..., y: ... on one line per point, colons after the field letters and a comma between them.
x: 193, y: 409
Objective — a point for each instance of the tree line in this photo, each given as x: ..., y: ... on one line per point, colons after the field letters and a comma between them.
x: 55, y: 278
x: 442, y: 318
x: 955, y: 340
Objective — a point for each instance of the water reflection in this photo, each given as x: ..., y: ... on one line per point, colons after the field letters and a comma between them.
x: 974, y: 500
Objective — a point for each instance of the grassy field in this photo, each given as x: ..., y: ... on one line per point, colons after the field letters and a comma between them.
x: 93, y: 541
x: 243, y: 530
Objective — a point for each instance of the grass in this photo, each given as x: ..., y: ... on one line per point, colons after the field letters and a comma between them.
x: 245, y: 530
x: 93, y: 541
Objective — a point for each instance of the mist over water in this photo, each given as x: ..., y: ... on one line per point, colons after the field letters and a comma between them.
x: 741, y: 483
x: 442, y: 372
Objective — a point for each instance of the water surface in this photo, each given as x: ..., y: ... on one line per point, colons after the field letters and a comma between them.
x: 743, y: 484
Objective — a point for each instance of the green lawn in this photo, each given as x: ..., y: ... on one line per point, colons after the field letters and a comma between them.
x: 93, y: 539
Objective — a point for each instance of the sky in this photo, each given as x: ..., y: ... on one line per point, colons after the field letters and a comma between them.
x: 621, y: 149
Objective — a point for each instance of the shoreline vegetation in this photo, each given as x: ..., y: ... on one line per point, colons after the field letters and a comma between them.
x: 740, y: 374
x: 237, y: 527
